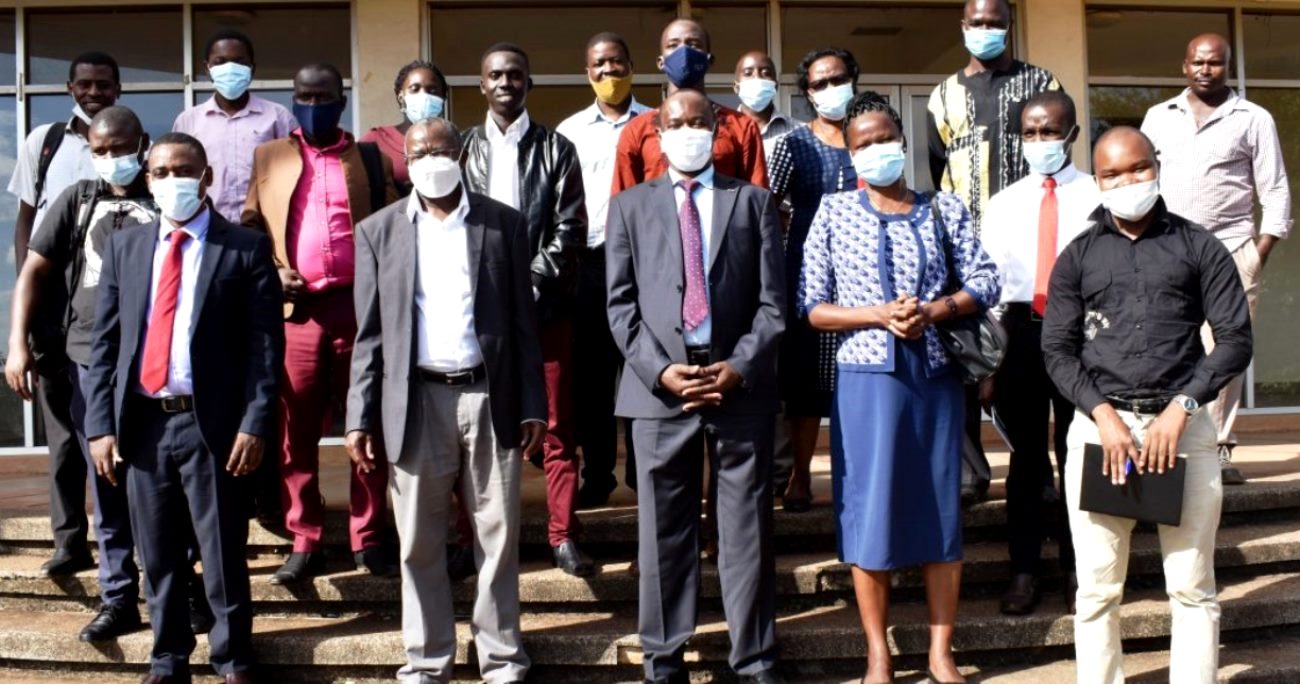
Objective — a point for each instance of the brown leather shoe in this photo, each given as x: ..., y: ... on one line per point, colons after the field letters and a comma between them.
x: 244, y: 677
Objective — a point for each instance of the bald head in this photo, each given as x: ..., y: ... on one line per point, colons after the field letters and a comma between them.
x: 1209, y: 41
x: 1206, y: 67
x: 680, y: 32
x: 1124, y: 155
x: 987, y: 14
x: 686, y: 108
x: 433, y: 136
x: 117, y: 121
x: 117, y: 132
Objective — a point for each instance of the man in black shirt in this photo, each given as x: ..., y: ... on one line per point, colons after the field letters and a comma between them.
x: 1122, y: 342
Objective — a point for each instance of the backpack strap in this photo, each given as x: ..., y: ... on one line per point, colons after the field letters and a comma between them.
x: 374, y: 166
x: 49, y: 146
x: 86, y: 198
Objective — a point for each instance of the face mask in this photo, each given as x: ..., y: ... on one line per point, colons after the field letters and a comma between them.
x: 832, y: 102
x: 80, y: 113
x: 1133, y: 201
x: 686, y: 66
x: 319, y: 122
x: 1045, y: 158
x: 231, y: 79
x: 985, y: 43
x: 417, y: 107
x: 880, y: 164
x: 178, y: 198
x: 119, y: 171
x: 612, y: 90
x: 435, y: 176
x: 688, y: 149
x: 756, y: 93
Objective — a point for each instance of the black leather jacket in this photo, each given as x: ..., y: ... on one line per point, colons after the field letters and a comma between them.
x: 553, y: 205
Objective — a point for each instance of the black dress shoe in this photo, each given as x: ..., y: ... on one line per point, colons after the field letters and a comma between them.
x: 460, y: 564
x: 66, y: 563
x: 1022, y: 596
x: 300, y: 567
x: 769, y: 676
x: 569, y: 558
x: 1071, y: 590
x: 974, y: 492
x: 113, y: 621
x: 201, y: 619
x: 595, y: 495
x: 377, y: 561
x: 152, y: 678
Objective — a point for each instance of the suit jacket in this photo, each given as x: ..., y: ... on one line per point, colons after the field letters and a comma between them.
x: 553, y: 204
x: 644, y: 274
x: 277, y: 166
x: 237, y: 336
x: 505, y: 321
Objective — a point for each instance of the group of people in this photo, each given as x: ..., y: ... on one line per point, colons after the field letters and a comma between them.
x: 193, y: 311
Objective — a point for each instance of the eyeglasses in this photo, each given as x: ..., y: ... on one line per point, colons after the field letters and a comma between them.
x: 822, y: 84
x: 448, y: 152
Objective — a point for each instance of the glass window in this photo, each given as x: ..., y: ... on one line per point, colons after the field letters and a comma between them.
x: 11, y: 407
x: 1271, y: 47
x: 459, y: 35
x: 1123, y: 105
x: 888, y: 40
x: 736, y: 30
x: 1146, y: 42
x: 284, y: 36
x: 547, y: 105
x: 8, y: 53
x: 157, y: 111
x: 147, y: 43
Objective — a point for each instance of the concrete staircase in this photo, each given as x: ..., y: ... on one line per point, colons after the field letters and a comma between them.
x: 345, y: 628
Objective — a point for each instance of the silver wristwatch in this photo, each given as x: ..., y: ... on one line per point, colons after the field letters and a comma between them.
x: 1187, y: 403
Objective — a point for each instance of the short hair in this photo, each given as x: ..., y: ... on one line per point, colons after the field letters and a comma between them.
x: 608, y: 37
x: 327, y: 68
x: 708, y: 39
x: 1128, y: 131
x: 418, y: 64
x: 806, y: 63
x: 507, y: 47
x: 94, y: 59
x: 185, y: 140
x: 684, y: 93
x: 870, y: 101
x: 228, y: 34
x: 118, y: 116
x: 1006, y: 4
x: 1055, y: 98
x: 451, y: 128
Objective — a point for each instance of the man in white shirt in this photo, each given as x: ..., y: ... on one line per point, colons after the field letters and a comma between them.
x: 594, y: 132
x: 1025, y: 227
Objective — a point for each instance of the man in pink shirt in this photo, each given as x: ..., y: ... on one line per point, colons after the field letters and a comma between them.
x: 307, y: 192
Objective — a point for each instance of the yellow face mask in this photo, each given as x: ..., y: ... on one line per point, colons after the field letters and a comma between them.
x: 612, y: 89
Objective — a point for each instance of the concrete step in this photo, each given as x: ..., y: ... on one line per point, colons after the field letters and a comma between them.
x: 809, y: 575
x: 601, y: 639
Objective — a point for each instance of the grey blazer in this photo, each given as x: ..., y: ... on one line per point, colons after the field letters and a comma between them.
x: 505, y: 321
x: 643, y: 251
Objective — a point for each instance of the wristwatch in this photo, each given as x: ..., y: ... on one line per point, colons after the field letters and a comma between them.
x: 1187, y: 403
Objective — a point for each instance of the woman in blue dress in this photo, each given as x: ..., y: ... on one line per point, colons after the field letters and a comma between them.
x: 876, y: 271
x: 807, y: 163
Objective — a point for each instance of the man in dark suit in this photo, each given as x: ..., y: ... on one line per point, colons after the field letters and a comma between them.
x: 696, y: 374
x: 447, y: 386
x: 185, y: 357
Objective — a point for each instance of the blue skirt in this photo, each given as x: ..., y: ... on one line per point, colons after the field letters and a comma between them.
x: 896, y: 464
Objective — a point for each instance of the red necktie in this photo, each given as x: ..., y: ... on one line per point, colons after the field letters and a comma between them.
x: 158, y: 339
x: 1046, y: 245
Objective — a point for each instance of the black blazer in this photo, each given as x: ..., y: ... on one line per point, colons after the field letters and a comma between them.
x: 643, y: 251
x: 505, y: 322
x: 237, y: 333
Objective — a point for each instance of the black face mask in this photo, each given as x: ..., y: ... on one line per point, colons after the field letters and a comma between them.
x: 319, y: 122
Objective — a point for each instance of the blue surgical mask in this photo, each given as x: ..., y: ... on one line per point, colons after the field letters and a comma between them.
x: 686, y: 66
x: 832, y: 102
x: 319, y: 122
x: 417, y: 107
x: 756, y: 93
x: 1045, y: 157
x: 985, y: 43
x: 119, y: 171
x: 231, y: 79
x: 881, y: 164
x: 179, y: 199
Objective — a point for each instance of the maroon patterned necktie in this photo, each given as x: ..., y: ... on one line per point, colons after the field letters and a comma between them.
x: 695, y: 305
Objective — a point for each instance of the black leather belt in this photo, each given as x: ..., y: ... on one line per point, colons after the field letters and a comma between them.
x: 458, y: 378
x: 698, y: 355
x: 177, y: 404
x: 1021, y: 310
x: 1147, y: 405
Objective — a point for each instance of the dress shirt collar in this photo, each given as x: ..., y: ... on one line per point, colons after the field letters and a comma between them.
x: 253, y: 106
x: 777, y: 115
x: 1183, y: 103
x: 704, y: 178
x: 513, y: 133
x: 414, y: 208
x: 197, y: 228
x: 594, y: 114
x: 1065, y: 176
x: 344, y: 140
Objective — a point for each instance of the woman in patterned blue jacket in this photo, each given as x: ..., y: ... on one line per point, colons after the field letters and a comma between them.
x: 876, y: 269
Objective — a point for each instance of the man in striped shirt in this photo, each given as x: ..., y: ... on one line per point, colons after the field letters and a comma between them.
x: 1217, y: 152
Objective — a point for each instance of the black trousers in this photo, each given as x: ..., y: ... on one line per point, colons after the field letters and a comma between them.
x: 1024, y: 395
x: 67, y: 463
x: 173, y: 482
x: 596, y: 368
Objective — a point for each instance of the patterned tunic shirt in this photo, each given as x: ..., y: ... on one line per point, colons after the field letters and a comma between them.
x: 856, y: 256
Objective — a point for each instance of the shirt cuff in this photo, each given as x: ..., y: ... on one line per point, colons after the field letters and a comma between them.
x: 1090, y: 399
x: 532, y: 420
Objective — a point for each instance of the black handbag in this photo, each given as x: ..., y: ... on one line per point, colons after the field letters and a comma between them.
x: 977, y: 343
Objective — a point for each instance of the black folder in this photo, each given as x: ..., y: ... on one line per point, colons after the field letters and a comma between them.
x: 1147, y: 497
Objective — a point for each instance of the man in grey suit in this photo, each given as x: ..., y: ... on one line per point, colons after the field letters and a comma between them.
x: 696, y: 373
x: 447, y: 383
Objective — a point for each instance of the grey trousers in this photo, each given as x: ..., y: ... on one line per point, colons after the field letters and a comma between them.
x: 449, y: 434
x: 669, y: 478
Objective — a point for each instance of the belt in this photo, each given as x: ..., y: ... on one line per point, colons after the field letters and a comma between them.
x: 458, y: 378
x: 698, y: 355
x: 176, y: 404
x: 1021, y: 310
x: 1146, y: 405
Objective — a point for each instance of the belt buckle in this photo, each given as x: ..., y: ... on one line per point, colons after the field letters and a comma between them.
x: 453, y: 379
x: 173, y: 404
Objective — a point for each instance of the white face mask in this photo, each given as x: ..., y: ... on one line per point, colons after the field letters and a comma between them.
x: 1045, y: 157
x: 179, y: 199
x: 417, y: 107
x: 80, y: 113
x: 1133, y: 201
x: 833, y: 102
x: 688, y: 149
x: 435, y: 176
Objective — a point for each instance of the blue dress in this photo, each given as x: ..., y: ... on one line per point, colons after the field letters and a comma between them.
x: 802, y: 168
x: 897, y: 422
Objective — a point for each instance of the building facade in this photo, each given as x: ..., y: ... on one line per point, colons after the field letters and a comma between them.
x: 1116, y: 58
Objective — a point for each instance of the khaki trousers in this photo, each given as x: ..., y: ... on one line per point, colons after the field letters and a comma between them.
x: 1101, y: 546
x: 1223, y: 410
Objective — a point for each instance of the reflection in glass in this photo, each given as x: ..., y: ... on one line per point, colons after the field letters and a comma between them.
x: 739, y: 30
x: 1146, y: 42
x: 147, y: 43
x: 157, y: 111
x: 547, y: 105
x: 1271, y: 48
x: 284, y: 37
x: 886, y: 40
x: 8, y: 53
x: 1123, y: 105
x: 11, y: 408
